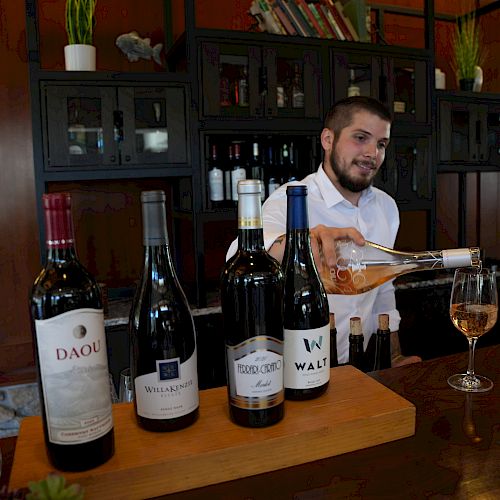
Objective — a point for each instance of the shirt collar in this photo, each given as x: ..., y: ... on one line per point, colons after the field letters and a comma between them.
x: 331, y: 194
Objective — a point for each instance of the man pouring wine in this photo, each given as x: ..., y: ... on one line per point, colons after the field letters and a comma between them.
x: 343, y: 204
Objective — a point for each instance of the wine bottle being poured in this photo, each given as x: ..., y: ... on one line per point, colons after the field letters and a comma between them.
x: 362, y: 268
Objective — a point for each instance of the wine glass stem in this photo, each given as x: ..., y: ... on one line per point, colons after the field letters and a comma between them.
x: 472, y: 348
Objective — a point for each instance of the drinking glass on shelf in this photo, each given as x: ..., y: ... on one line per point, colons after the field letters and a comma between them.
x: 473, y: 311
x: 126, y: 394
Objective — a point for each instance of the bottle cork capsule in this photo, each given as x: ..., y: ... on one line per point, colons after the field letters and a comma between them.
x: 356, y: 326
x: 383, y: 322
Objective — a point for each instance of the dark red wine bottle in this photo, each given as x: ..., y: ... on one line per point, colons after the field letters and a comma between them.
x: 306, y: 311
x: 70, y: 344
x: 382, y: 344
x: 163, y: 359
x: 252, y: 311
x: 356, y: 344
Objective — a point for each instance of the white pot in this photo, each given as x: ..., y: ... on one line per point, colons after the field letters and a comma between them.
x: 79, y: 57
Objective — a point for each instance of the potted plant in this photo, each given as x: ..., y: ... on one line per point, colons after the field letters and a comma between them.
x: 467, y: 56
x: 79, y: 54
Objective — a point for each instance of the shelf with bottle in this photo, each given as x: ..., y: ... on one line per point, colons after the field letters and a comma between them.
x: 273, y: 159
x: 398, y: 81
x: 249, y: 80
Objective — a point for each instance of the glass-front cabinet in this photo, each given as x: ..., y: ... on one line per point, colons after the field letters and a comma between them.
x: 400, y: 83
x: 248, y: 81
x: 406, y: 173
x: 95, y: 126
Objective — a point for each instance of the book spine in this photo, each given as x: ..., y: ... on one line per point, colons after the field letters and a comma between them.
x: 331, y: 33
x: 313, y: 23
x: 347, y: 22
x: 333, y: 23
x: 322, y: 22
x: 304, y: 28
x: 271, y: 18
x: 339, y: 20
x: 287, y: 23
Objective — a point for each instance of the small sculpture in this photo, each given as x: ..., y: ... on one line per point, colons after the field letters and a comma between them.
x: 478, y: 79
x: 135, y: 47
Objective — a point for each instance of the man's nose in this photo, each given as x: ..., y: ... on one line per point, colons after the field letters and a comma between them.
x: 370, y: 150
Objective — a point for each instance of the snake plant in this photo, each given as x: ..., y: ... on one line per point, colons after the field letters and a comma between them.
x: 467, y: 47
x: 80, y: 21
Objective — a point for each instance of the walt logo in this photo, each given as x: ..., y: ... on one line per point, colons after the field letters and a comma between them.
x: 311, y: 345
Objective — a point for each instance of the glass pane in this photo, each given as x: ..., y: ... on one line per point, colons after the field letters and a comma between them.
x: 85, y: 135
x: 459, y: 135
x: 151, y: 131
x: 233, y: 83
x: 404, y: 90
x: 290, y: 87
x: 360, y: 77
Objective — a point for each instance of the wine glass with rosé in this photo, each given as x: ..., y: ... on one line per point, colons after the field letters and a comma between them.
x: 473, y: 311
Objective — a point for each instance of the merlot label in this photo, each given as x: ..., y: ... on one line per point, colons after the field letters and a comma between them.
x: 74, y: 376
x: 255, y: 369
x: 169, y: 392
x: 307, y: 357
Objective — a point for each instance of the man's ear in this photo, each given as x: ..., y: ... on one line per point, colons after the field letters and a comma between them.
x: 327, y: 137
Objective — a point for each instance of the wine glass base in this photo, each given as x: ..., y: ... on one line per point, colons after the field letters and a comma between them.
x: 470, y: 383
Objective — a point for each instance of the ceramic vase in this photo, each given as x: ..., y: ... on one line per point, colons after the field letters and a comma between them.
x: 79, y: 57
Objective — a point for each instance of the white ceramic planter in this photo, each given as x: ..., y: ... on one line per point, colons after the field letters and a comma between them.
x: 79, y: 57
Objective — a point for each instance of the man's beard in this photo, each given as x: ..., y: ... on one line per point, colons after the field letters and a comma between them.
x: 344, y: 179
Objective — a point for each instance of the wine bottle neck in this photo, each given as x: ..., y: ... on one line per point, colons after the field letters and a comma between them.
x: 154, y: 220
x: 157, y: 259
x: 250, y: 233
x: 59, y: 232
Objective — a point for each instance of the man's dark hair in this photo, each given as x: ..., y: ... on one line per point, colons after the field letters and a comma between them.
x: 341, y: 113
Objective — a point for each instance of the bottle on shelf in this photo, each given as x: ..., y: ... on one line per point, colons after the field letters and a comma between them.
x: 297, y: 88
x: 238, y: 173
x: 273, y: 181
x: 71, y: 354
x: 224, y: 88
x: 256, y: 169
x: 215, y: 179
x: 243, y: 97
x: 382, y: 344
x: 162, y: 335
x: 306, y: 314
x: 334, y: 360
x: 360, y: 269
x: 228, y: 190
x: 252, y: 308
x: 356, y: 344
x: 353, y: 89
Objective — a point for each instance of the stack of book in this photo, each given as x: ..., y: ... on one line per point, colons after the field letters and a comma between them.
x: 319, y: 18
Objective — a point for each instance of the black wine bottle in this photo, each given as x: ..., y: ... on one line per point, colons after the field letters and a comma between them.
x: 356, y: 344
x: 306, y: 315
x: 162, y: 334
x: 70, y: 344
x: 334, y: 360
x: 252, y: 310
x: 382, y: 344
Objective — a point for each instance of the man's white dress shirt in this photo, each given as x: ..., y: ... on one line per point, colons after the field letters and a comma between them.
x: 376, y: 217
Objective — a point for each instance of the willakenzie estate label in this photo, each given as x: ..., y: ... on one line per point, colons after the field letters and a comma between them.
x: 169, y: 392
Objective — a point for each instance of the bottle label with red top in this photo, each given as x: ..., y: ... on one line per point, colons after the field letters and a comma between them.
x: 74, y: 376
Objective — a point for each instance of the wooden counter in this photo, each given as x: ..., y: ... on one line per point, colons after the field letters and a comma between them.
x: 455, y: 452
x: 354, y: 413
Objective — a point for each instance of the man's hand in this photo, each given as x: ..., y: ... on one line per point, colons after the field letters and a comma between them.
x: 322, y: 243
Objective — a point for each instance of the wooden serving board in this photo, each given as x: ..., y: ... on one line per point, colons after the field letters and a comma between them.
x: 356, y: 412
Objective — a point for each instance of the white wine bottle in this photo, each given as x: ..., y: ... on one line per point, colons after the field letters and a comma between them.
x: 362, y: 268
x: 162, y: 335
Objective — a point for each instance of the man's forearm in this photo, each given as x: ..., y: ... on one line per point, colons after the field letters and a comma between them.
x: 277, y: 249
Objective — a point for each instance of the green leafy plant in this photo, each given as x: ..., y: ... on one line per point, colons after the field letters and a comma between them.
x: 53, y: 487
x: 80, y: 21
x: 467, y: 47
